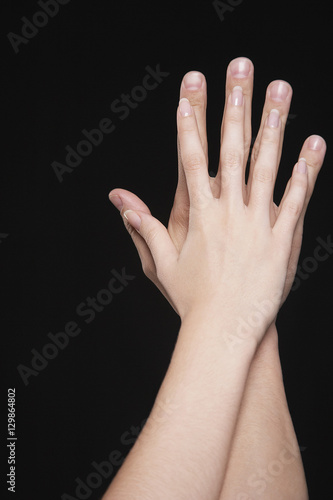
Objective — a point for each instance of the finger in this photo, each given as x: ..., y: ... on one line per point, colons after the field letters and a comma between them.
x: 124, y: 200
x: 181, y: 203
x: 292, y: 205
x: 157, y: 238
x: 194, y: 88
x: 313, y: 150
x: 232, y: 148
x: 192, y: 154
x: 240, y: 71
x: 265, y: 168
x: 128, y: 198
x: 278, y: 96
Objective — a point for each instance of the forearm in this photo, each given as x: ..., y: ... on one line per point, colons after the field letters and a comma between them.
x: 182, y: 451
x: 265, y: 461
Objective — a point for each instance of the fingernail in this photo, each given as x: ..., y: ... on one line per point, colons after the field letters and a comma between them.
x: 273, y: 118
x: 279, y: 91
x: 237, y: 96
x: 301, y: 166
x: 240, y: 68
x: 193, y: 80
x: 116, y: 200
x: 133, y: 218
x: 315, y: 142
x: 185, y: 107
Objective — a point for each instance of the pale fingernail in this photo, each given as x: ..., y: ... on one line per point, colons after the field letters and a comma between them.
x: 116, y: 200
x: 301, y: 166
x: 279, y: 91
x: 240, y: 68
x: 315, y: 142
x: 193, y: 80
x: 237, y: 96
x: 273, y: 119
x: 185, y: 107
x: 133, y: 218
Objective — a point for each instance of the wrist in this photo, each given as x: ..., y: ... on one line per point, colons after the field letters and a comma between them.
x: 266, y: 363
x: 241, y: 324
x: 211, y: 326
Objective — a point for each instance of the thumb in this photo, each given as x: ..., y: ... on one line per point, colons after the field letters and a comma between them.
x: 155, y: 235
x: 128, y: 199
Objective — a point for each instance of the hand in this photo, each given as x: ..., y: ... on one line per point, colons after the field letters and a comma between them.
x: 179, y: 216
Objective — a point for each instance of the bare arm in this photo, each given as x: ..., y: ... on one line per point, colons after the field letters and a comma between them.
x: 265, y: 461
x: 182, y: 451
x: 265, y: 160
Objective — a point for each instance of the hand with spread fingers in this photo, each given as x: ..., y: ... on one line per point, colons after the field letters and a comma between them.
x: 235, y: 231
x: 226, y: 263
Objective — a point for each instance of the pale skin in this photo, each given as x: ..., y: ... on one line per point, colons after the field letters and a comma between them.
x: 211, y: 435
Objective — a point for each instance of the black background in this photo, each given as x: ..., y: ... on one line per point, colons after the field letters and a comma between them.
x: 63, y: 239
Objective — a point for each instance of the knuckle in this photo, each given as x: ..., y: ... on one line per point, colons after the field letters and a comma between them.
x: 300, y: 183
x: 193, y: 161
x: 234, y: 116
x: 232, y: 159
x: 151, y: 235
x: 270, y: 137
x: 200, y: 202
x: 293, y: 208
x: 187, y: 128
x: 263, y: 174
